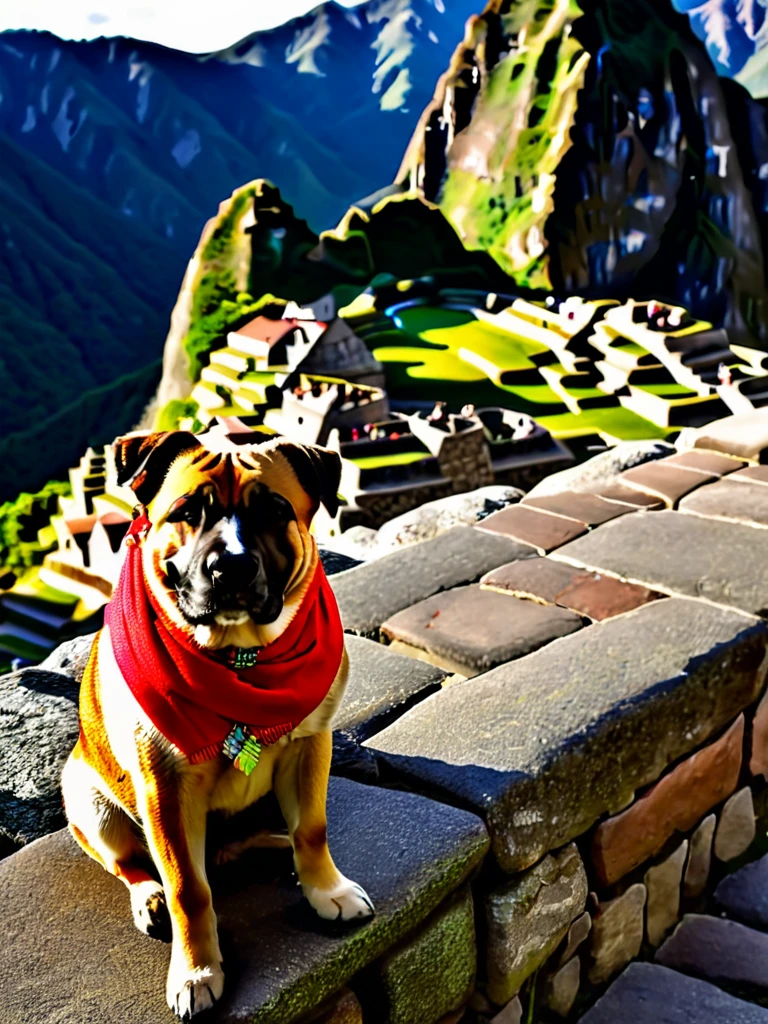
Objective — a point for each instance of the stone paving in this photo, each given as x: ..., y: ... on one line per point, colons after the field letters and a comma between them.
x: 555, y: 750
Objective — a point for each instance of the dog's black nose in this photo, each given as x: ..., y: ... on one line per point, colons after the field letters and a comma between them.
x: 232, y: 572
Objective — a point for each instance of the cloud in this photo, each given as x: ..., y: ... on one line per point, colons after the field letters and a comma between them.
x: 196, y: 27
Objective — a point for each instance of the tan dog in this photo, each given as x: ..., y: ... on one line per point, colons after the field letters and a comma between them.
x: 227, y: 559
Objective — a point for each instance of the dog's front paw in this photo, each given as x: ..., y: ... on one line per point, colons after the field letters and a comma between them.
x: 346, y: 901
x: 191, y: 992
x: 150, y: 913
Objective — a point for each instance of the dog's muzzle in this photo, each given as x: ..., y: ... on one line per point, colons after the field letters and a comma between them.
x: 230, y: 573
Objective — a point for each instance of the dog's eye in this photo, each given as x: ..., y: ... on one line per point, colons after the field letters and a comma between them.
x: 272, y: 510
x: 187, y: 509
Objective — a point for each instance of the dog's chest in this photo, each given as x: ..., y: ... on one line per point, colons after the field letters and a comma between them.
x: 235, y: 790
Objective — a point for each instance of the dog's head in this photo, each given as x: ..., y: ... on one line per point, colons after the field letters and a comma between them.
x: 229, y: 524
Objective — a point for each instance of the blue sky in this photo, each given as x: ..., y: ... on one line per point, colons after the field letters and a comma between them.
x: 194, y: 25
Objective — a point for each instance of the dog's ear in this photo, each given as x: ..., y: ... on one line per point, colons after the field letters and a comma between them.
x: 143, y: 458
x: 317, y: 469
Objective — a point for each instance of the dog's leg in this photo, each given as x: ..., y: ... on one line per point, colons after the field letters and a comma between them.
x: 107, y: 834
x: 301, y: 785
x: 173, y: 804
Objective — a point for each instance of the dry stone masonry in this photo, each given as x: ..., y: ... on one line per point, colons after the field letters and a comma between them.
x: 551, y: 775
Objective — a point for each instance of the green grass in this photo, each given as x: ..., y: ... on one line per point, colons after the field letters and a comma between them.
x: 669, y: 390
x: 444, y: 337
x: 169, y: 416
x: 30, y: 585
x: 395, y: 459
x: 616, y: 422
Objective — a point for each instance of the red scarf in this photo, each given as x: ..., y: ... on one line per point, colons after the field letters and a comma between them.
x: 193, y: 699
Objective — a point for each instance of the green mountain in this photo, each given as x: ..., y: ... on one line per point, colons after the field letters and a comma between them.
x: 594, y: 149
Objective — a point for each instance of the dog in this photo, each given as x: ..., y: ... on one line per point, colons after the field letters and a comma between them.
x: 213, y: 682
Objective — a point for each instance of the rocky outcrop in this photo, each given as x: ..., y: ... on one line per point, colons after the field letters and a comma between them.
x: 489, y: 143
x: 39, y: 726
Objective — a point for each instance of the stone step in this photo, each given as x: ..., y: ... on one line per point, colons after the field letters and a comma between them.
x: 650, y: 994
x: 730, y: 499
x: 544, y: 746
x: 590, y: 509
x: 717, y: 950
x: 528, y: 525
x: 70, y: 951
x: 683, y: 554
x: 665, y: 480
x: 470, y: 630
x: 550, y: 582
x: 371, y: 593
x: 744, y: 894
x: 380, y: 685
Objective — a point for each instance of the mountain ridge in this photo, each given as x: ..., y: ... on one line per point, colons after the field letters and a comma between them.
x: 116, y: 152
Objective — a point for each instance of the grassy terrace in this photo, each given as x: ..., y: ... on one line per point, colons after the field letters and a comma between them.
x: 436, y: 353
x: 393, y: 459
x: 452, y: 349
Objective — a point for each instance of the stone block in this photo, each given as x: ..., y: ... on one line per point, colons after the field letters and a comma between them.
x: 38, y: 712
x: 601, y: 597
x: 511, y: 1014
x: 674, y: 804
x: 617, y: 934
x: 699, y: 859
x: 691, y: 555
x: 528, y: 917
x: 538, y: 579
x: 544, y: 746
x: 664, y: 481
x: 550, y: 582
x: 590, y: 509
x: 650, y: 994
x: 744, y: 436
x: 380, y: 685
x: 336, y: 561
x: 752, y: 475
x: 70, y: 657
x: 730, y: 500
x: 630, y: 496
x: 470, y: 630
x: 744, y: 894
x: 66, y: 919
x: 736, y: 826
x: 717, y: 950
x: 710, y: 463
x: 433, y: 973
x: 663, y: 885
x: 577, y: 933
x: 542, y: 530
x: 562, y: 987
x: 372, y: 593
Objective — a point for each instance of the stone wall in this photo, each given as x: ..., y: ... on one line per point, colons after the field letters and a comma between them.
x: 464, y: 459
x: 570, y: 758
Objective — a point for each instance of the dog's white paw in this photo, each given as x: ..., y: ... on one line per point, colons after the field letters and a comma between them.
x: 191, y: 992
x: 347, y: 901
x: 150, y: 914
